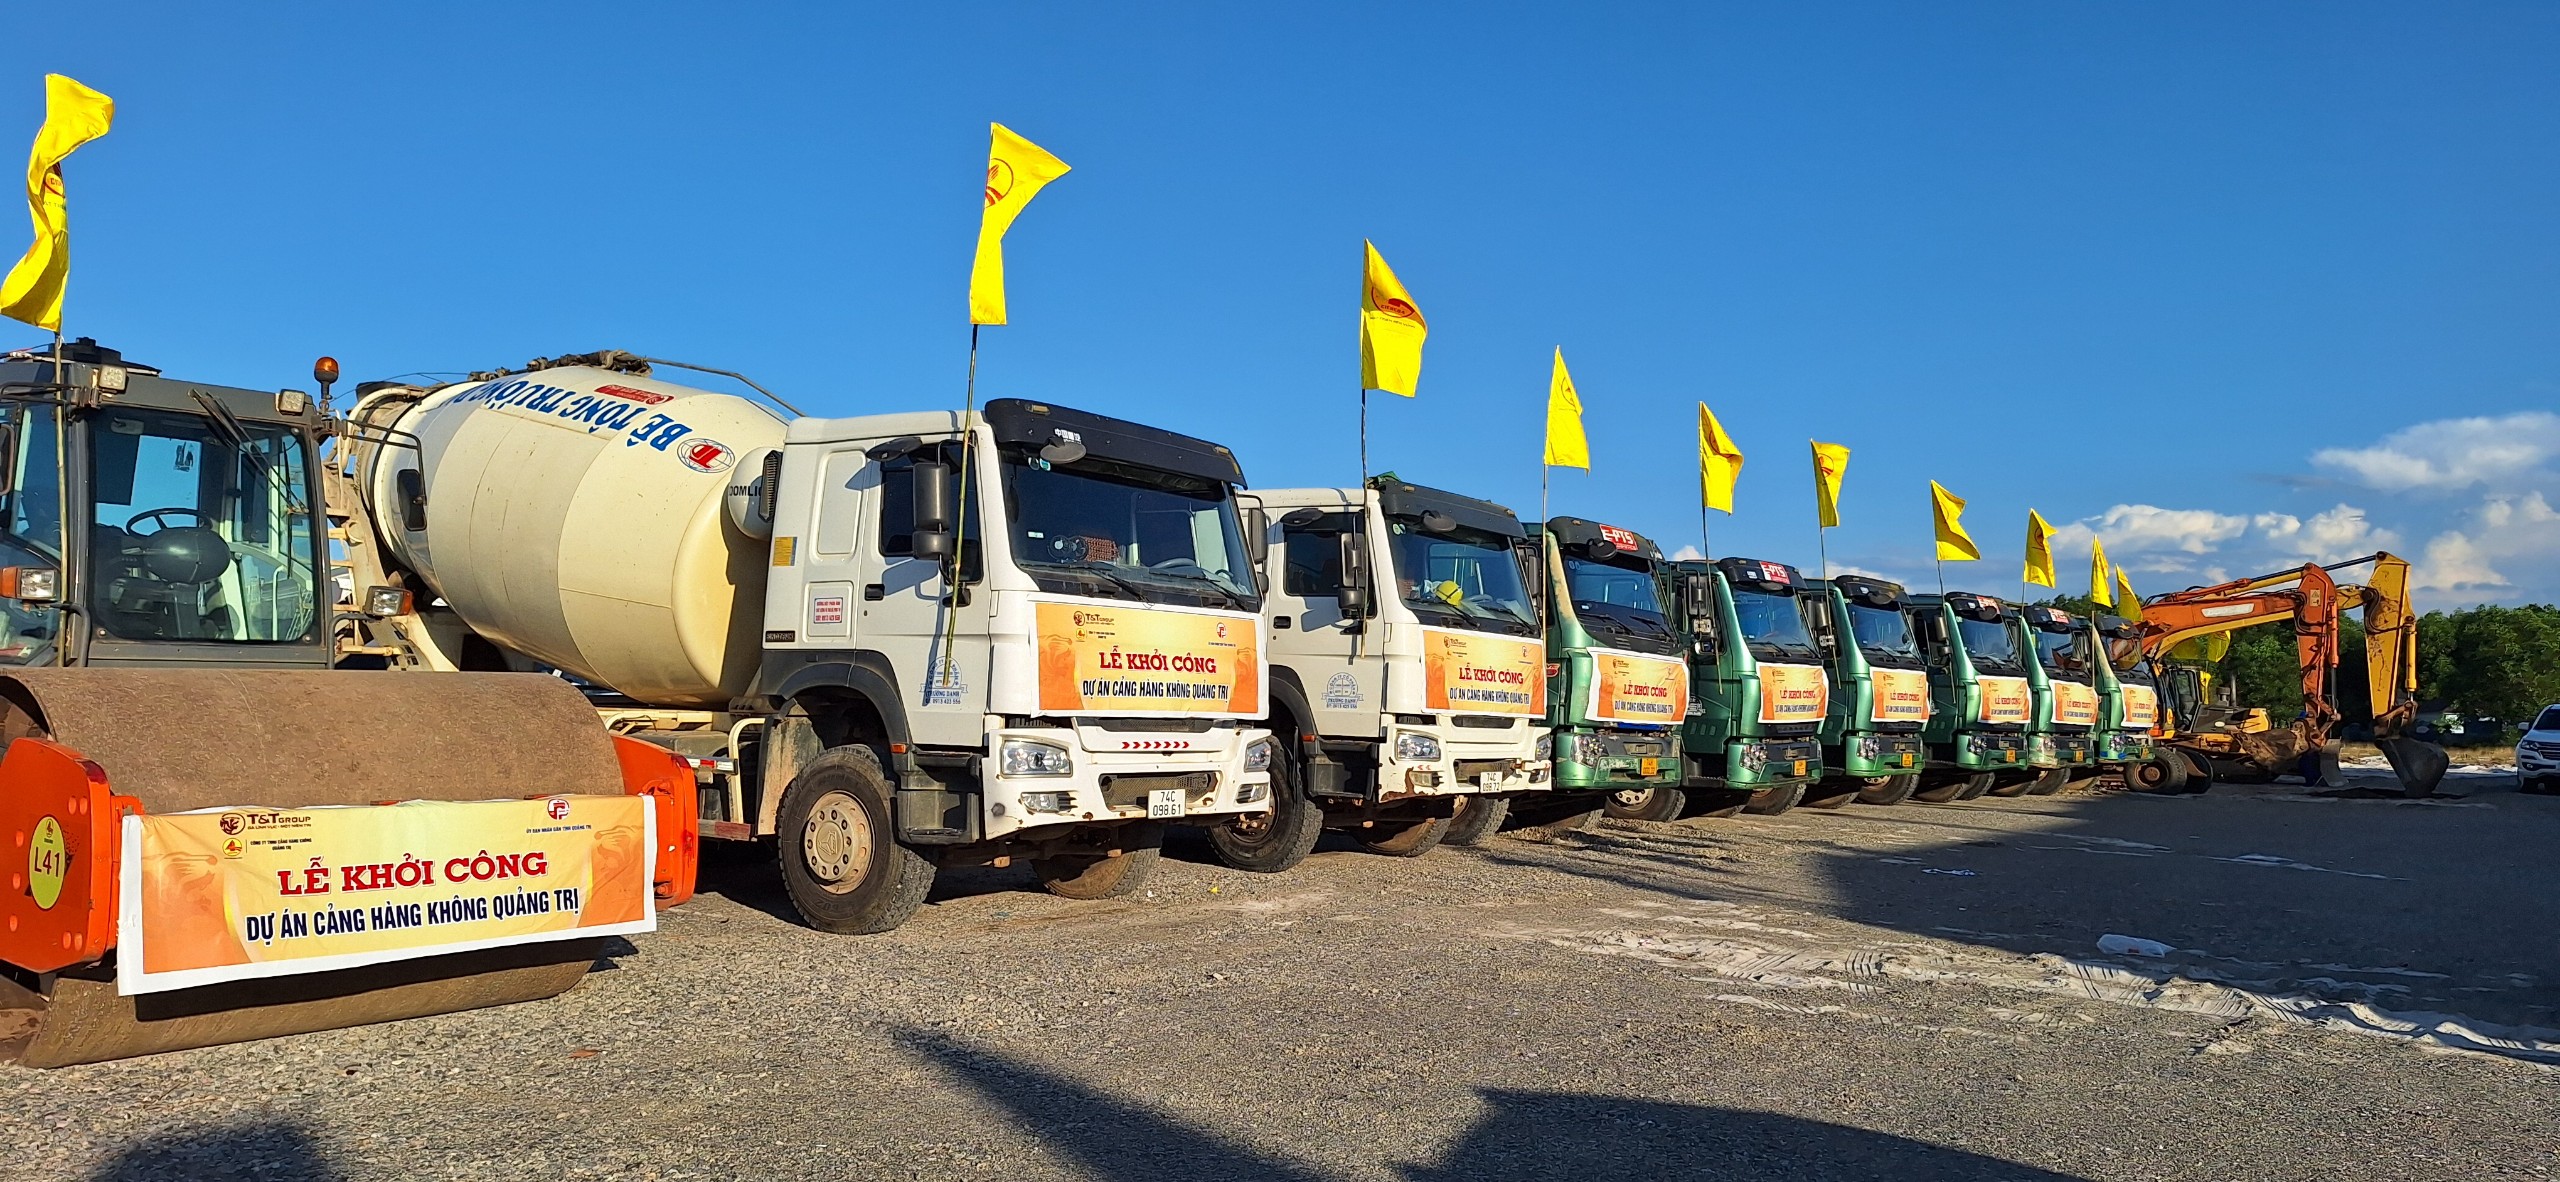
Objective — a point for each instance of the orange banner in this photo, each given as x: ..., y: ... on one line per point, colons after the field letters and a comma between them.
x: 2006, y: 699
x: 1139, y: 661
x: 2074, y: 704
x: 2141, y: 707
x: 1472, y: 673
x: 1793, y: 693
x: 1632, y: 687
x: 1897, y: 695
x: 236, y: 894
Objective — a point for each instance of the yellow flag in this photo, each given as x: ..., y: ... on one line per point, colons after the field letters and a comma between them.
x: 2101, y: 591
x: 1016, y: 169
x: 1719, y: 461
x: 73, y: 115
x: 2039, y: 550
x: 1948, y: 509
x: 1391, y: 328
x: 1566, y: 447
x: 1830, y: 463
x: 2128, y: 604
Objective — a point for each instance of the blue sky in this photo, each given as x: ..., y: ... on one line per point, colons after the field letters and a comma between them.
x: 2231, y: 285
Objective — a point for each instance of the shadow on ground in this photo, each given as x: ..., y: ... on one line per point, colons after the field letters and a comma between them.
x: 1518, y: 1135
x: 281, y: 1152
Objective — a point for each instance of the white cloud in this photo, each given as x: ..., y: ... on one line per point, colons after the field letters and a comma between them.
x: 2450, y: 454
x: 2132, y: 529
x: 2517, y: 512
x: 1687, y: 554
x: 2341, y: 532
x: 2454, y: 562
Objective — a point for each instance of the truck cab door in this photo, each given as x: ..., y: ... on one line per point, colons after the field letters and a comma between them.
x: 1318, y: 639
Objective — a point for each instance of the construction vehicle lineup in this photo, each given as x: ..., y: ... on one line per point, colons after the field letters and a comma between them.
x: 894, y: 643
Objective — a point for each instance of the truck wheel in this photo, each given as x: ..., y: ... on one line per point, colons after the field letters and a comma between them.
x: 1101, y: 876
x: 1889, y: 789
x: 1268, y: 843
x: 1479, y: 817
x: 1942, y: 788
x: 1406, y: 839
x: 1718, y: 803
x: 1833, y: 793
x: 1769, y: 802
x: 2048, y: 782
x: 842, y: 864
x: 1646, y: 804
x: 1547, y: 819
x: 2165, y: 773
x: 2200, y: 774
x: 2015, y: 785
x: 1981, y: 783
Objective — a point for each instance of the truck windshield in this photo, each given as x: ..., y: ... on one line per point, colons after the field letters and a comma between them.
x: 1618, y: 604
x: 2065, y: 654
x: 1884, y: 634
x: 1772, y: 625
x: 2124, y: 653
x: 32, y: 536
x: 1101, y: 527
x: 1991, y: 643
x: 1463, y: 578
x: 199, y: 535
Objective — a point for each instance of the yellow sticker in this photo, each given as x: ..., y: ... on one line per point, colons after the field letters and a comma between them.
x: 782, y: 548
x: 1649, y: 766
x: 1906, y: 759
x: 48, y: 862
x: 1799, y: 767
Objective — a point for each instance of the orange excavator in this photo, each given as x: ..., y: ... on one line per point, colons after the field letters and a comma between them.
x: 2233, y: 742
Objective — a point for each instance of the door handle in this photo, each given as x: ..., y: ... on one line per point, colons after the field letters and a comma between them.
x: 874, y: 591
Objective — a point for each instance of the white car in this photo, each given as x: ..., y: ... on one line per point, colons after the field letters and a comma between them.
x: 2538, y: 754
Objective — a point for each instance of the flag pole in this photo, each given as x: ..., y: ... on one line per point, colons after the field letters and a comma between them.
x: 1942, y: 576
x: 1822, y: 546
x: 1703, y: 551
x: 959, y: 530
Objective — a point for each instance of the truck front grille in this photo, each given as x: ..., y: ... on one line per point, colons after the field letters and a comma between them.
x: 1130, y: 792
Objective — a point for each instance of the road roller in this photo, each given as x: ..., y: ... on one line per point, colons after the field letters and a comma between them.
x: 215, y: 829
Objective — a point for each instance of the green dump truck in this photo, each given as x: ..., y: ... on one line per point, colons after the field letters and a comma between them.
x: 1872, y: 743
x: 2062, y: 678
x: 2128, y: 696
x: 1757, y: 693
x: 1979, y: 700
x: 1617, y: 673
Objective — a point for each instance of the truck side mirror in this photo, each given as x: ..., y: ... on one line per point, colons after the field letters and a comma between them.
x: 932, y: 499
x: 1354, y: 594
x: 8, y: 459
x: 1257, y: 538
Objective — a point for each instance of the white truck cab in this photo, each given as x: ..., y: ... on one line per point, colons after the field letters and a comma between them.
x: 1409, y: 671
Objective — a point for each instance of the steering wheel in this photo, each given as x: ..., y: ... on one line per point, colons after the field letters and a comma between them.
x: 162, y: 517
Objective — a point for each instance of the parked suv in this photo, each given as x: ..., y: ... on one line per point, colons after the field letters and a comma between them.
x: 2538, y: 753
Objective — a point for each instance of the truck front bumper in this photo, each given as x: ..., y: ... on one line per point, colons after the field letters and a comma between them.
x: 1765, y: 763
x: 1610, y: 759
x: 1991, y: 751
x: 1469, y: 763
x: 1125, y: 776
x: 2124, y: 746
x: 2049, y: 750
x: 1881, y: 755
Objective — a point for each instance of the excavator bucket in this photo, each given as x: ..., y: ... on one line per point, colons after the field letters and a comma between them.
x: 88, y: 750
x: 2419, y: 764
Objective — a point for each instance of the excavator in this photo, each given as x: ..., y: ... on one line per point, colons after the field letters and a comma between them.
x: 2230, y: 742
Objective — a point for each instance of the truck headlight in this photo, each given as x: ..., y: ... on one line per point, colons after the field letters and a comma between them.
x: 1754, y: 757
x: 1413, y: 748
x: 1257, y: 758
x: 1029, y: 757
x: 1590, y: 750
x: 1545, y: 747
x: 1869, y: 746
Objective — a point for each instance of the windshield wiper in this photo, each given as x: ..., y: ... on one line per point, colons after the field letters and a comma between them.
x: 1234, y: 599
x: 1104, y: 571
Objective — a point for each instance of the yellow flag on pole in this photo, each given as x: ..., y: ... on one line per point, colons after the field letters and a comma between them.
x: 73, y: 115
x: 2128, y: 604
x: 1830, y: 463
x: 1391, y: 328
x: 1016, y: 170
x: 1566, y: 446
x: 2039, y: 550
x: 1948, y: 510
x: 1719, y: 461
x: 2101, y: 592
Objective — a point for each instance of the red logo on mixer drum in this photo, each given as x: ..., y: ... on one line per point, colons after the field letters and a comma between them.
x: 704, y: 455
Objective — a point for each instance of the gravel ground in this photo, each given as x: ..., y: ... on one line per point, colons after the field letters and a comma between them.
x: 2259, y: 983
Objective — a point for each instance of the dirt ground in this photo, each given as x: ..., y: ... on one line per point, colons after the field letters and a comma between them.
x: 2264, y: 983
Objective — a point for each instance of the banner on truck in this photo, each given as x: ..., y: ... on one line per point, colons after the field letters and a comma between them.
x: 1632, y: 687
x: 1793, y: 693
x: 236, y: 894
x: 2141, y: 707
x: 2074, y: 704
x: 2005, y: 699
x: 1142, y: 661
x: 1897, y: 695
x: 1472, y: 673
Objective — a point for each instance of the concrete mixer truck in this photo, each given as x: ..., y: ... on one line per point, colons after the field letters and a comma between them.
x: 892, y: 643
x: 192, y: 835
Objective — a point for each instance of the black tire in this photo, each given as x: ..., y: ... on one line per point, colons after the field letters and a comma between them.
x: 2048, y: 782
x: 1718, y: 803
x: 1646, y: 804
x: 1769, y: 802
x: 1547, y: 819
x: 2200, y: 774
x: 1268, y: 843
x: 2012, y: 784
x: 1405, y: 838
x: 1942, y: 788
x: 1889, y: 789
x: 1833, y: 793
x: 1479, y: 817
x: 1979, y: 786
x: 1101, y: 876
x: 2164, y: 774
x: 841, y: 860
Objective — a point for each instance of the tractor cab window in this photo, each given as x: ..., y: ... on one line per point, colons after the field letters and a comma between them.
x: 201, y: 529
x: 33, y: 534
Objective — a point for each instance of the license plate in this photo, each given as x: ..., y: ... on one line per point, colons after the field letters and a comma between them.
x: 1164, y: 802
x: 1906, y: 759
x: 1799, y: 767
x: 1649, y: 766
x: 2008, y: 757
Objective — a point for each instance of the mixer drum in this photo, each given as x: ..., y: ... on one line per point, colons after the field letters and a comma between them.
x: 575, y: 515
